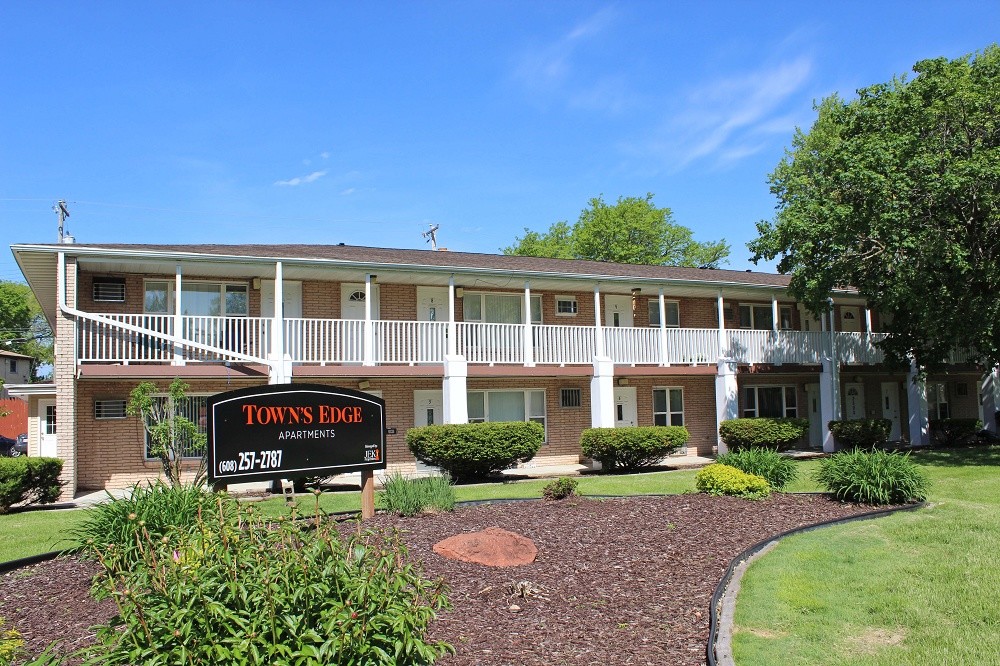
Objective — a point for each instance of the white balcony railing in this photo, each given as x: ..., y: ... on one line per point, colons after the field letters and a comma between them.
x: 491, y: 343
x: 410, y: 341
x: 564, y: 345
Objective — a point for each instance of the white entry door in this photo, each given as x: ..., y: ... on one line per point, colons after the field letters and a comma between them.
x: 428, y: 409
x: 854, y: 402
x: 352, y: 306
x: 850, y: 319
x: 291, y: 303
x: 47, y: 444
x: 626, y: 410
x: 815, y: 415
x: 617, y: 311
x: 432, y: 303
x: 890, y: 409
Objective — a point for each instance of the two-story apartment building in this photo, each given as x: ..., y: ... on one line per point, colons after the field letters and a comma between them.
x: 14, y: 369
x: 449, y: 337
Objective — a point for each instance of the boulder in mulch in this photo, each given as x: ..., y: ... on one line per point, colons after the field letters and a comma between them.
x: 493, y: 547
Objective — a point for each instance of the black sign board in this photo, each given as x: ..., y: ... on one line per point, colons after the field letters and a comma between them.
x: 288, y: 430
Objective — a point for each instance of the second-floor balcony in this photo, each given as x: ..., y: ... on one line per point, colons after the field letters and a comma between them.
x: 153, y: 338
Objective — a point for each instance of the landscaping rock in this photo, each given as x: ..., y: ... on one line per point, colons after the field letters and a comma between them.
x: 493, y: 547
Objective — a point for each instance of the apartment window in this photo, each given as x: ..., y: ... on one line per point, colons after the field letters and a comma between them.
x: 195, y: 409
x: 570, y: 397
x: 491, y: 406
x: 672, y: 310
x: 205, y: 299
x: 13, y: 365
x: 500, y: 308
x: 937, y: 401
x: 668, y: 406
x: 769, y: 402
x: 109, y: 409
x: 50, y: 420
x: 566, y: 306
x: 109, y: 290
x: 761, y: 317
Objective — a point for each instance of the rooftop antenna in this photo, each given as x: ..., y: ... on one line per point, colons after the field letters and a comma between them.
x: 431, y: 235
x: 62, y: 211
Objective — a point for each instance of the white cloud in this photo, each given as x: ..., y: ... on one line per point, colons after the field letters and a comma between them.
x: 348, y: 191
x: 547, y: 66
x: 300, y: 180
x: 325, y: 155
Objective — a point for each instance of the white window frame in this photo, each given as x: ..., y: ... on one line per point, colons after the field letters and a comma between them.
x: 528, y: 416
x: 668, y: 415
x: 653, y: 306
x: 786, y: 390
x: 222, y: 284
x: 574, y: 307
x: 145, y: 435
x: 481, y: 294
x: 937, y: 401
x: 782, y: 311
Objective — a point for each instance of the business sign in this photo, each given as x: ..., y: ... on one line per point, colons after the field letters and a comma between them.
x: 288, y: 430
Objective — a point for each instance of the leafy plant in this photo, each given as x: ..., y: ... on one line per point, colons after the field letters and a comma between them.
x: 861, y: 433
x: 29, y: 480
x: 779, y: 470
x: 11, y: 644
x: 873, y: 477
x: 717, y: 479
x: 561, y: 488
x: 955, y: 432
x: 408, y: 497
x: 631, y: 448
x: 172, y: 436
x: 765, y: 432
x: 252, y: 591
x: 476, y: 450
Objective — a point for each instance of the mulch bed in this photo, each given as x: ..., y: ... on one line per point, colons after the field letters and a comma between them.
x: 616, y: 581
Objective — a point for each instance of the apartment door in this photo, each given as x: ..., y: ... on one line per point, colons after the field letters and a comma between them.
x: 617, y: 311
x: 626, y: 409
x: 352, y: 306
x: 428, y: 409
x: 854, y: 402
x: 850, y: 319
x: 432, y: 303
x: 815, y: 415
x: 291, y: 303
x: 47, y: 444
x: 890, y: 409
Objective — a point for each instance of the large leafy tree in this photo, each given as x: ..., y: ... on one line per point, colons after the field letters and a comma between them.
x: 21, y: 319
x: 897, y: 193
x: 631, y: 231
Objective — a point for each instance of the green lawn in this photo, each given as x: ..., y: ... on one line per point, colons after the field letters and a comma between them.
x: 32, y: 532
x: 914, y: 588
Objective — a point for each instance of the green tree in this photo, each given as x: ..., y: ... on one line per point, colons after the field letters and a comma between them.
x: 632, y: 231
x: 21, y: 319
x: 172, y: 435
x: 897, y: 193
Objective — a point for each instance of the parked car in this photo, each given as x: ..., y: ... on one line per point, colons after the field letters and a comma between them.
x: 22, y: 444
x: 14, y: 447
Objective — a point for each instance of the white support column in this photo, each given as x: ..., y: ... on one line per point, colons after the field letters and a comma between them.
x: 602, y: 393
x: 452, y: 328
x: 664, y: 355
x: 454, y: 389
x: 834, y: 363
x: 726, y: 398
x: 774, y: 313
x: 722, y: 326
x: 599, y: 331
x: 368, y: 353
x: 779, y: 356
x: 827, y: 404
x: 281, y: 367
x: 529, y: 337
x: 868, y: 320
x: 989, y: 400
x: 178, y: 317
x: 916, y: 394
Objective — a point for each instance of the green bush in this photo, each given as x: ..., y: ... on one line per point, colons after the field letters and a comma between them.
x: 631, y: 448
x: 11, y: 644
x: 29, y: 481
x: 861, y: 433
x: 779, y: 470
x: 717, y: 479
x: 873, y: 477
x: 156, y: 508
x: 955, y: 432
x: 408, y: 497
x: 561, y: 488
x: 779, y: 434
x: 254, y: 591
x: 476, y: 450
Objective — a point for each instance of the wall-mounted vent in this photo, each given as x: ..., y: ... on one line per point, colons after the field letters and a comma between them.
x: 109, y: 290
x: 109, y: 409
x: 570, y: 397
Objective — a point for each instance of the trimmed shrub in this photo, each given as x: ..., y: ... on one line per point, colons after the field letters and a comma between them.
x: 408, y: 497
x: 561, y: 488
x: 873, y: 477
x: 861, y: 433
x: 476, y: 450
x: 955, y: 432
x: 779, y: 434
x: 631, y: 448
x: 779, y: 470
x: 29, y: 481
x: 256, y: 591
x: 717, y: 479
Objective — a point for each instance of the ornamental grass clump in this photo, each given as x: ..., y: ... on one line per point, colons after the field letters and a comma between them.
x: 408, y: 497
x: 717, y: 479
x: 256, y: 591
x: 779, y: 470
x: 873, y: 477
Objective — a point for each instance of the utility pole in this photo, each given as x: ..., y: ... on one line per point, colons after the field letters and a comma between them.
x: 62, y: 211
x: 431, y: 235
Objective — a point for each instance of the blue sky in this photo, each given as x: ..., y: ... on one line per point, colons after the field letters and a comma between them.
x: 363, y: 123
